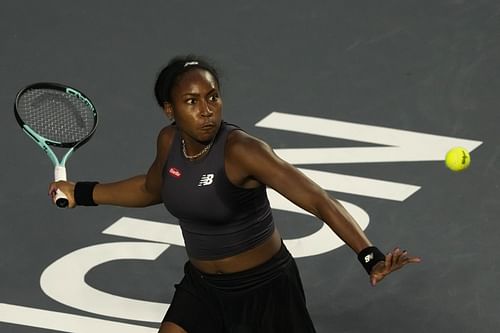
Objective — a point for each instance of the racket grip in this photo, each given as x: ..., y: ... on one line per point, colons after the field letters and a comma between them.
x: 61, y: 199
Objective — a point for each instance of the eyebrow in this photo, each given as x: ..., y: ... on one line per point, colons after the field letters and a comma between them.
x: 197, y: 94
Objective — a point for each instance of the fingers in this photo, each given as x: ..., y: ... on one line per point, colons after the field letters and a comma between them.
x: 65, y: 187
x: 394, y: 260
x: 399, y: 258
x: 53, y: 188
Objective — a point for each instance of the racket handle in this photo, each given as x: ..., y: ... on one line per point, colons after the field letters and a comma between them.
x: 61, y: 199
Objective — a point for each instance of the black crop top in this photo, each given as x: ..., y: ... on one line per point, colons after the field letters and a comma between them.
x: 217, y: 218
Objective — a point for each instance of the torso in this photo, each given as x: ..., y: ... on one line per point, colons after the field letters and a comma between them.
x: 249, y: 258
x: 242, y: 261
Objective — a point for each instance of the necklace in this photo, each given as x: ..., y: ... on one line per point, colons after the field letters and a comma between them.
x: 195, y: 156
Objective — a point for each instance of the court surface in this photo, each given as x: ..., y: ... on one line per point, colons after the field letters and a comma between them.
x: 363, y: 96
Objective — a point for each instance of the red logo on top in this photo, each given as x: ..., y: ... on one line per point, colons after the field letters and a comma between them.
x: 176, y: 173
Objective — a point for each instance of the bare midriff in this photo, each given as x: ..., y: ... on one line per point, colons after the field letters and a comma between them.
x: 241, y: 261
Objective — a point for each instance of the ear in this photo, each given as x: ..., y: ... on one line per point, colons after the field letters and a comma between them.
x: 168, y: 109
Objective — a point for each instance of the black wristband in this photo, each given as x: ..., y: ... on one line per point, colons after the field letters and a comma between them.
x: 84, y: 193
x: 369, y: 257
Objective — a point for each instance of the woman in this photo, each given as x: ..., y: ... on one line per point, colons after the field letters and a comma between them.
x: 213, y: 176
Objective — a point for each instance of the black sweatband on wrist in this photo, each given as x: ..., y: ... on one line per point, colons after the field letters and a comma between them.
x: 369, y: 257
x: 84, y: 193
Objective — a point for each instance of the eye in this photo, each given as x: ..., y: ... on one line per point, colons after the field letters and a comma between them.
x: 214, y: 98
x: 191, y: 101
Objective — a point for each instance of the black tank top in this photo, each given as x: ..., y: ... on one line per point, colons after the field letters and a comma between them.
x: 217, y: 218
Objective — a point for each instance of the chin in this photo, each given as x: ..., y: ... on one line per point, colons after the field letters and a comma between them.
x: 205, y: 138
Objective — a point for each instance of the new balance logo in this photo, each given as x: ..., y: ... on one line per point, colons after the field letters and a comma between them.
x: 206, y: 179
x: 369, y: 258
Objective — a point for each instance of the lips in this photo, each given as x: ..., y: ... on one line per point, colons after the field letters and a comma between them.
x: 208, y: 126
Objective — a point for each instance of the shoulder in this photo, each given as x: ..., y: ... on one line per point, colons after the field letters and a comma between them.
x: 164, y: 141
x: 245, y: 158
x: 166, y: 135
x: 240, y: 143
x: 248, y: 152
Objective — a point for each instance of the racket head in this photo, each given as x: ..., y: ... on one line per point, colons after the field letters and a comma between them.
x: 61, y: 115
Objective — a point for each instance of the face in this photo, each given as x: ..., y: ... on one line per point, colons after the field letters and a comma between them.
x: 196, y: 106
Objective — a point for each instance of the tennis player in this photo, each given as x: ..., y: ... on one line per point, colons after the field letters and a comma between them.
x: 212, y: 176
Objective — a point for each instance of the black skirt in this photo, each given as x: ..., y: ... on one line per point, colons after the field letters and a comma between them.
x: 268, y: 298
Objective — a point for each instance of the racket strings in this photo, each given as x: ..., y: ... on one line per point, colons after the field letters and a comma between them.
x: 56, y: 115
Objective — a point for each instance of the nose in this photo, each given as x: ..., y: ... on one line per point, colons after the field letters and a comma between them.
x: 206, y: 110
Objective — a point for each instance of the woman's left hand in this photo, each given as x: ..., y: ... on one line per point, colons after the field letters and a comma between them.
x: 394, y: 260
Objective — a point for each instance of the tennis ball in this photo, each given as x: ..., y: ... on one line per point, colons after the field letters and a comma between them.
x: 457, y: 159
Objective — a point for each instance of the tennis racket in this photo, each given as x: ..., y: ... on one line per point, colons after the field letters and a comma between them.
x: 55, y: 115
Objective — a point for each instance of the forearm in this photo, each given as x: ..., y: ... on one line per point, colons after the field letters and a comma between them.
x: 131, y: 192
x: 343, y: 224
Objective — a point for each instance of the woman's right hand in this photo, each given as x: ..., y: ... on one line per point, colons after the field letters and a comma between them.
x: 68, y: 188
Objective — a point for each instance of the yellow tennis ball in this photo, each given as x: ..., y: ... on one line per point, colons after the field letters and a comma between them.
x: 457, y: 159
